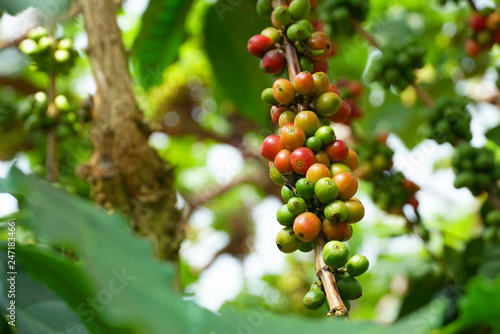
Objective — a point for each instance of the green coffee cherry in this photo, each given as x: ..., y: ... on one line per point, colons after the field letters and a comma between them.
x: 316, y: 286
x: 336, y: 211
x: 335, y: 254
x: 297, y: 33
x: 306, y: 247
x: 357, y: 265
x: 349, y: 287
x: 314, y: 299
x: 28, y: 47
x: 282, y: 16
x: 307, y: 24
x: 314, y: 144
x: 286, y: 193
x: 325, y: 134
x: 275, y: 176
x: 326, y: 190
x: 264, y: 8
x: 296, y: 205
x: 299, y: 9
x: 327, y: 104
x: 338, y: 167
x: 268, y: 97
x: 347, y: 304
x: 37, y: 33
x: 62, y: 56
x: 493, y: 217
x: 306, y: 64
x: 286, y: 240
x: 305, y: 188
x: 284, y: 216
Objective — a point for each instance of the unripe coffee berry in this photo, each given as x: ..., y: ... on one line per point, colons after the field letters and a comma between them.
x: 284, y: 216
x: 336, y: 211
x: 325, y: 190
x: 349, y: 287
x: 335, y: 254
x: 357, y: 265
x: 327, y: 104
x: 340, y: 231
x: 264, y: 8
x: 283, y: 91
x: 287, y: 241
x: 305, y: 188
x: 325, y: 134
x: 272, y: 33
x: 297, y: 33
x: 356, y: 210
x: 296, y: 205
x: 268, y: 97
x: 281, y: 17
x: 314, y: 299
x: 321, y: 83
x: 286, y: 193
x: 299, y: 9
x: 313, y: 143
x: 286, y: 118
x: 308, y: 121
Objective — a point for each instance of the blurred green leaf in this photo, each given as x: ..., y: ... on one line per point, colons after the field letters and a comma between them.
x: 161, y: 35
x: 490, y: 267
x: 494, y: 135
x: 38, y: 309
x: 227, y: 30
x: 52, y: 9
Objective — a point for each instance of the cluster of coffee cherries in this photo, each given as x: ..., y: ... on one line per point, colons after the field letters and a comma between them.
x: 397, y: 64
x: 37, y: 115
x: 336, y: 256
x: 392, y: 190
x: 491, y: 220
x: 374, y: 157
x: 289, y: 20
x: 48, y: 53
x: 484, y: 31
x: 338, y: 14
x: 449, y: 121
x: 475, y: 168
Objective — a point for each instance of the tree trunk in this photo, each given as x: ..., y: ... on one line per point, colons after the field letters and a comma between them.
x: 126, y: 173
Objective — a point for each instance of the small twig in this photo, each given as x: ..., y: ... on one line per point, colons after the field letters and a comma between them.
x: 335, y: 302
x: 472, y: 5
x: 426, y: 98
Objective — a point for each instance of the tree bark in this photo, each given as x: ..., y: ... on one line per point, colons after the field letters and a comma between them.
x: 126, y: 173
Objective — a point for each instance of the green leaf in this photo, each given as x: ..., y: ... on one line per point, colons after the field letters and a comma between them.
x: 494, y: 135
x: 479, y: 306
x: 227, y: 30
x: 490, y: 267
x: 161, y: 35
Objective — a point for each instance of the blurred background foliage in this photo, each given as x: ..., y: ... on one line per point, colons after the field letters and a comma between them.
x: 200, y: 91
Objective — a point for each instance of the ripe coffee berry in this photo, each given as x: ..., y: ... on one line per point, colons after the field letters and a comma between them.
x: 316, y: 172
x: 337, y: 150
x: 274, y: 61
x: 322, y: 158
x: 307, y: 226
x: 347, y: 185
x: 283, y: 91
x: 282, y: 161
x: 304, y: 83
x: 340, y: 231
x: 293, y: 137
x: 342, y: 115
x: 302, y: 158
x: 276, y: 112
x: 271, y: 146
x: 258, y: 45
x: 351, y: 160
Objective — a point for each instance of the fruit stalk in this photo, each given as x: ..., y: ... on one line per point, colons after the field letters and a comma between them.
x: 424, y: 96
x: 336, y: 304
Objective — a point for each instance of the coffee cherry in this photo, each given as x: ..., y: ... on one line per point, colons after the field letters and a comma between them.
x: 307, y: 226
x: 283, y: 91
x: 342, y: 115
x: 340, y: 231
x: 477, y: 22
x: 268, y: 97
x: 314, y: 299
x: 306, y: 247
x: 325, y: 134
x: 307, y: 24
x: 275, y: 175
x: 276, y: 112
x: 349, y: 287
x: 335, y: 254
x: 302, y: 158
x: 288, y: 117
x: 258, y: 45
x: 321, y: 84
x: 321, y: 65
x: 303, y: 83
x: 351, y: 160
x: 271, y: 146
x: 316, y: 172
x: 327, y: 104
x: 339, y: 167
x: 347, y: 185
x: 264, y: 8
x: 299, y: 9
x: 325, y: 190
x: 287, y: 241
x: 284, y: 216
x: 28, y: 47
x: 282, y: 161
x: 314, y: 144
x: 296, y: 205
x: 336, y: 211
x: 306, y: 64
x: 357, y: 265
x: 356, y: 210
x: 286, y: 193
x: 281, y: 17
x: 316, y: 286
x: 305, y: 188
x: 493, y: 21
x: 274, y: 61
x: 308, y: 121
x: 297, y: 33
x: 337, y: 150
x: 272, y: 33
x: 492, y: 217
x: 321, y: 48
x: 322, y: 158
x: 62, y: 56
x: 293, y: 137
x: 36, y: 33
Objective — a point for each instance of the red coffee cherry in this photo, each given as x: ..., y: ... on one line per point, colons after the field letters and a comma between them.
x: 274, y: 61
x: 303, y: 83
x: 271, y: 146
x: 258, y: 45
x: 302, y: 158
x: 292, y: 137
x: 307, y: 226
x: 337, y: 151
x: 276, y: 112
x: 477, y: 22
x: 283, y: 161
x: 341, y: 231
x: 347, y: 185
x: 342, y: 115
x: 321, y: 65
